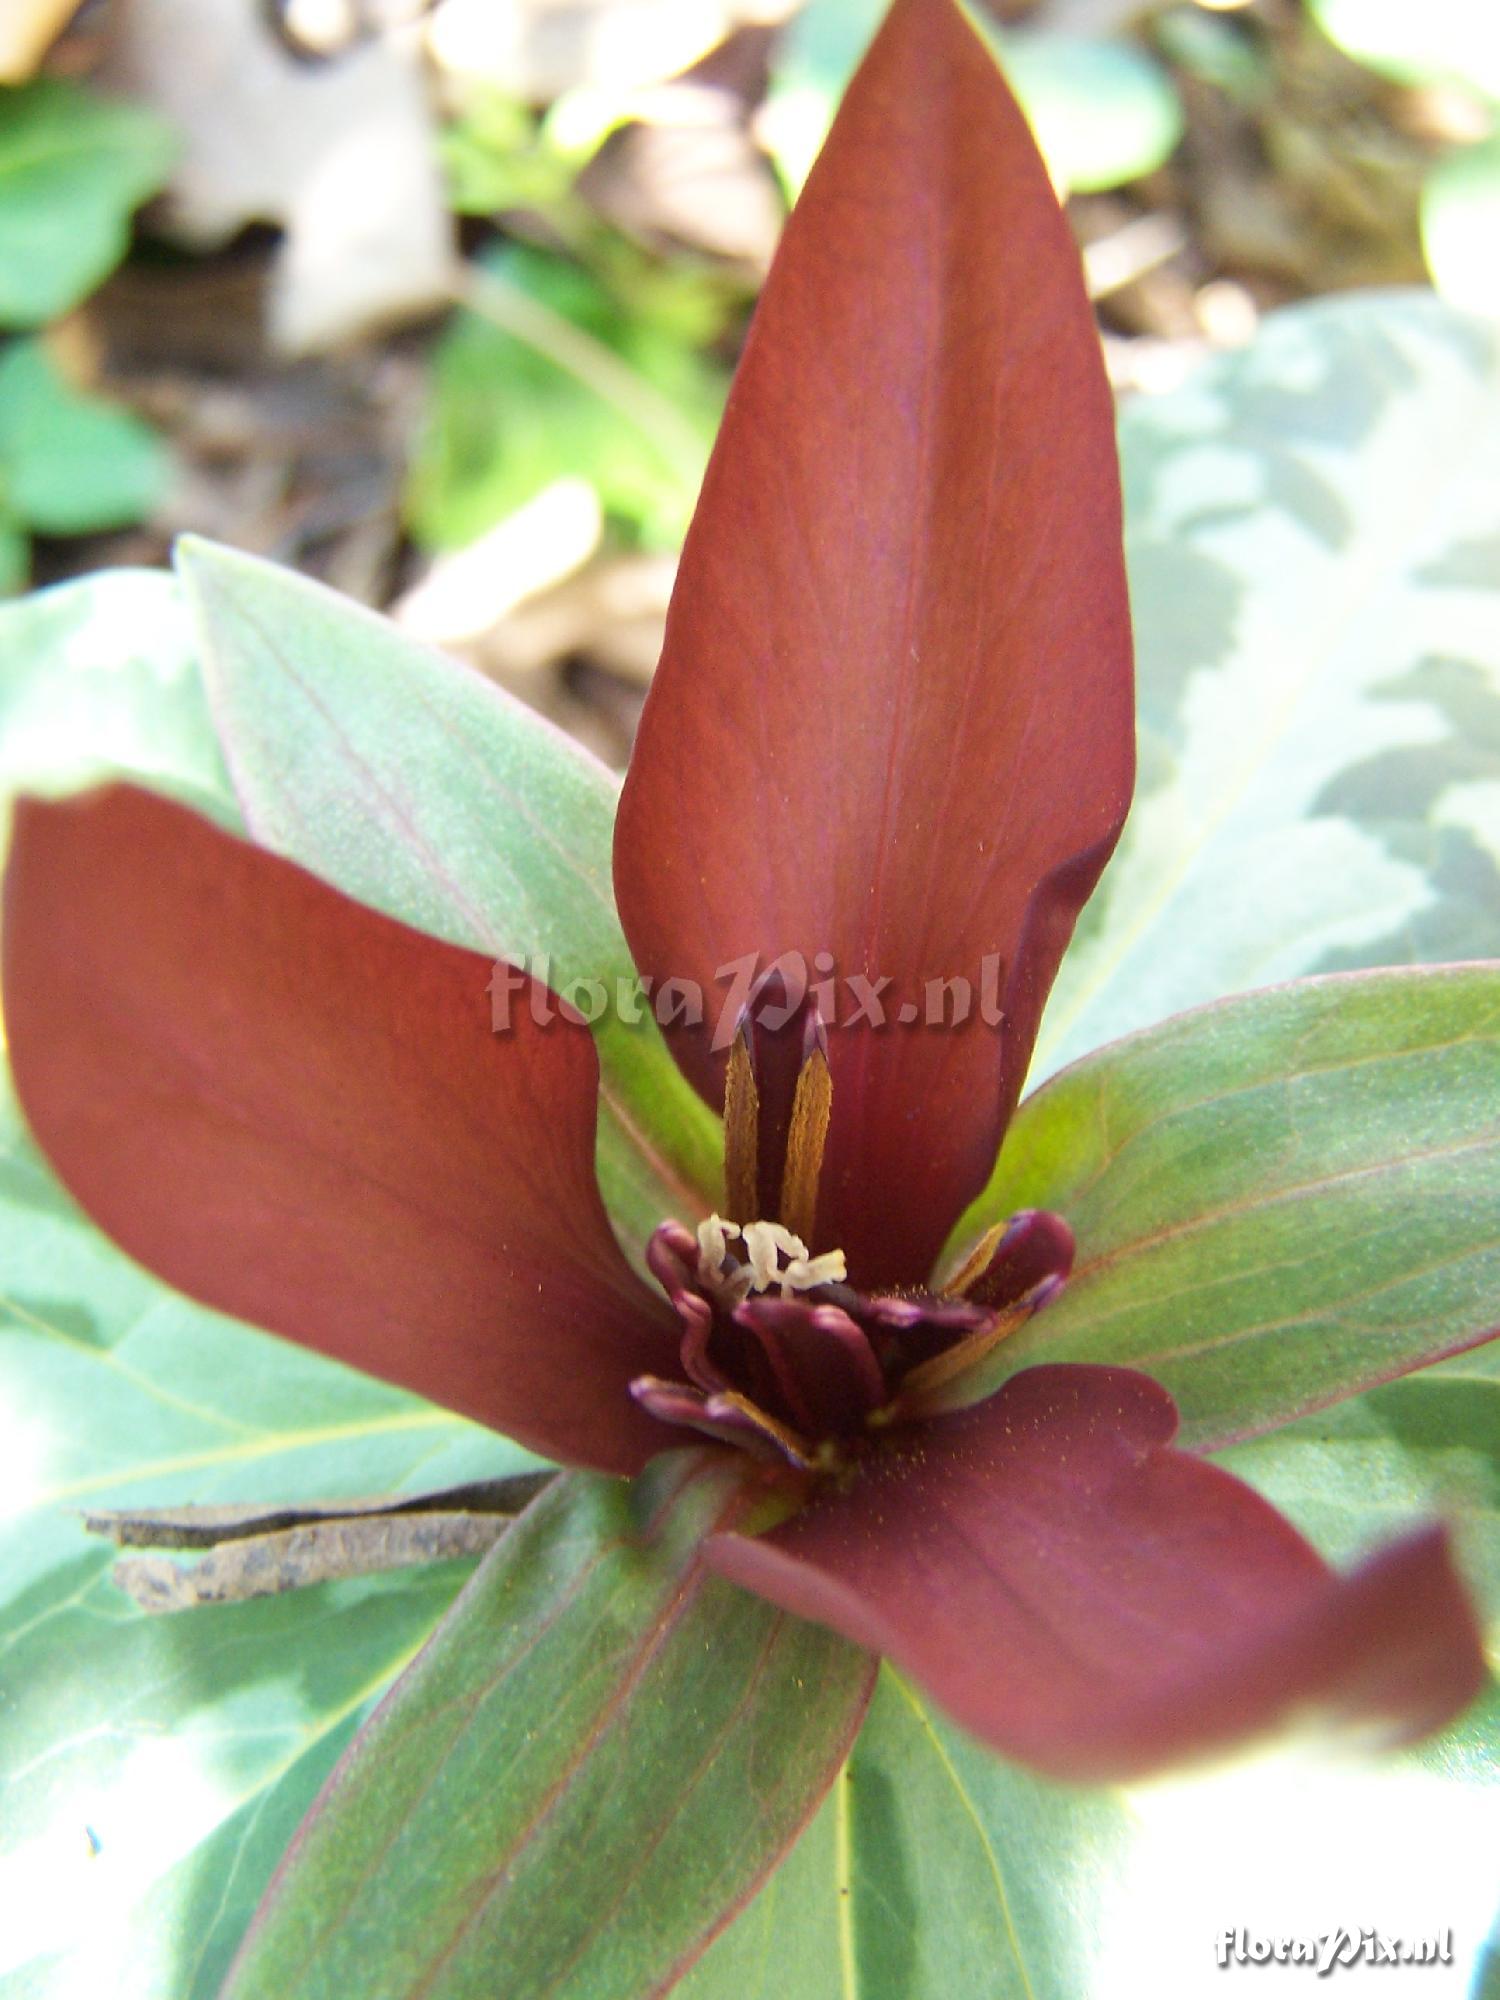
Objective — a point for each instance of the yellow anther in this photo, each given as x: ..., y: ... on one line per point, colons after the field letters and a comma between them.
x: 741, y: 1131
x: 806, y: 1137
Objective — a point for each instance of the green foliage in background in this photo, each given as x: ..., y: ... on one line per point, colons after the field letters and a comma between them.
x: 73, y: 168
x: 70, y: 464
x: 1455, y: 44
x: 1419, y: 41
x: 1103, y: 110
x: 1316, y: 562
x: 1461, y: 226
x: 547, y: 378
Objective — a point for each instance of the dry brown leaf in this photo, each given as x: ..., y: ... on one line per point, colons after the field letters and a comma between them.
x: 341, y: 154
x: 206, y: 1527
x: 293, y: 1558
x: 537, y: 49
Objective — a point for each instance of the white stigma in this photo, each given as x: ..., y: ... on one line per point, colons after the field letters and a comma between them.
x: 766, y: 1243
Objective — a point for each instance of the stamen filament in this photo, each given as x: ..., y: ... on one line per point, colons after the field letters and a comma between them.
x: 788, y: 1441
x: 974, y: 1266
x: 923, y: 1394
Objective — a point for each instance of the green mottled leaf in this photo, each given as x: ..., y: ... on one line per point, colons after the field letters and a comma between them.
x: 422, y: 789
x: 101, y: 679
x: 71, y: 464
x: 155, y: 1767
x: 602, y: 1750
x: 1315, y: 563
x: 1461, y: 226
x: 565, y: 387
x: 73, y: 167
x: 1279, y: 1200
x: 961, y: 1875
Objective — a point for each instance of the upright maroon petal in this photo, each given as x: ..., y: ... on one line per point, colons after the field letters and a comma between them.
x: 893, y: 719
x: 1089, y: 1600
x: 296, y: 1110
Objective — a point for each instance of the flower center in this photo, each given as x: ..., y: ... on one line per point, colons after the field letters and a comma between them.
x: 781, y: 1355
x: 773, y: 1257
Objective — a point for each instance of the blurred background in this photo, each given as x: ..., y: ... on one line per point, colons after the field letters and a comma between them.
x: 438, y: 300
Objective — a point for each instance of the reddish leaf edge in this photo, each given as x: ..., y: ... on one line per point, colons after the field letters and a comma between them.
x: 984, y: 1211
x: 745, y: 1496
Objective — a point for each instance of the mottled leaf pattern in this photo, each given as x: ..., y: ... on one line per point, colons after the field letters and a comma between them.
x: 101, y: 680
x: 1315, y: 567
x: 1314, y: 539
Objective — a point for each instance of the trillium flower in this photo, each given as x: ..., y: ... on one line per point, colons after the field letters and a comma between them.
x: 890, y: 743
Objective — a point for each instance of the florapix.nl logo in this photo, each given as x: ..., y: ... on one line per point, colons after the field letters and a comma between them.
x: 1329, y: 1950
x: 842, y: 999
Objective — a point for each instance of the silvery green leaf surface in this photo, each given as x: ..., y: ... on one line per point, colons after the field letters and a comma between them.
x: 1279, y: 1200
x: 935, y: 1868
x: 412, y: 783
x: 932, y: 1869
x: 101, y: 679
x: 1314, y: 538
x: 157, y: 1766
x: 1316, y: 544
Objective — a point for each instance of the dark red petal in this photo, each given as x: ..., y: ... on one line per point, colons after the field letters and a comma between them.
x: 826, y: 1375
x: 1034, y: 1246
x: 1088, y: 1600
x: 893, y: 718
x: 296, y: 1111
